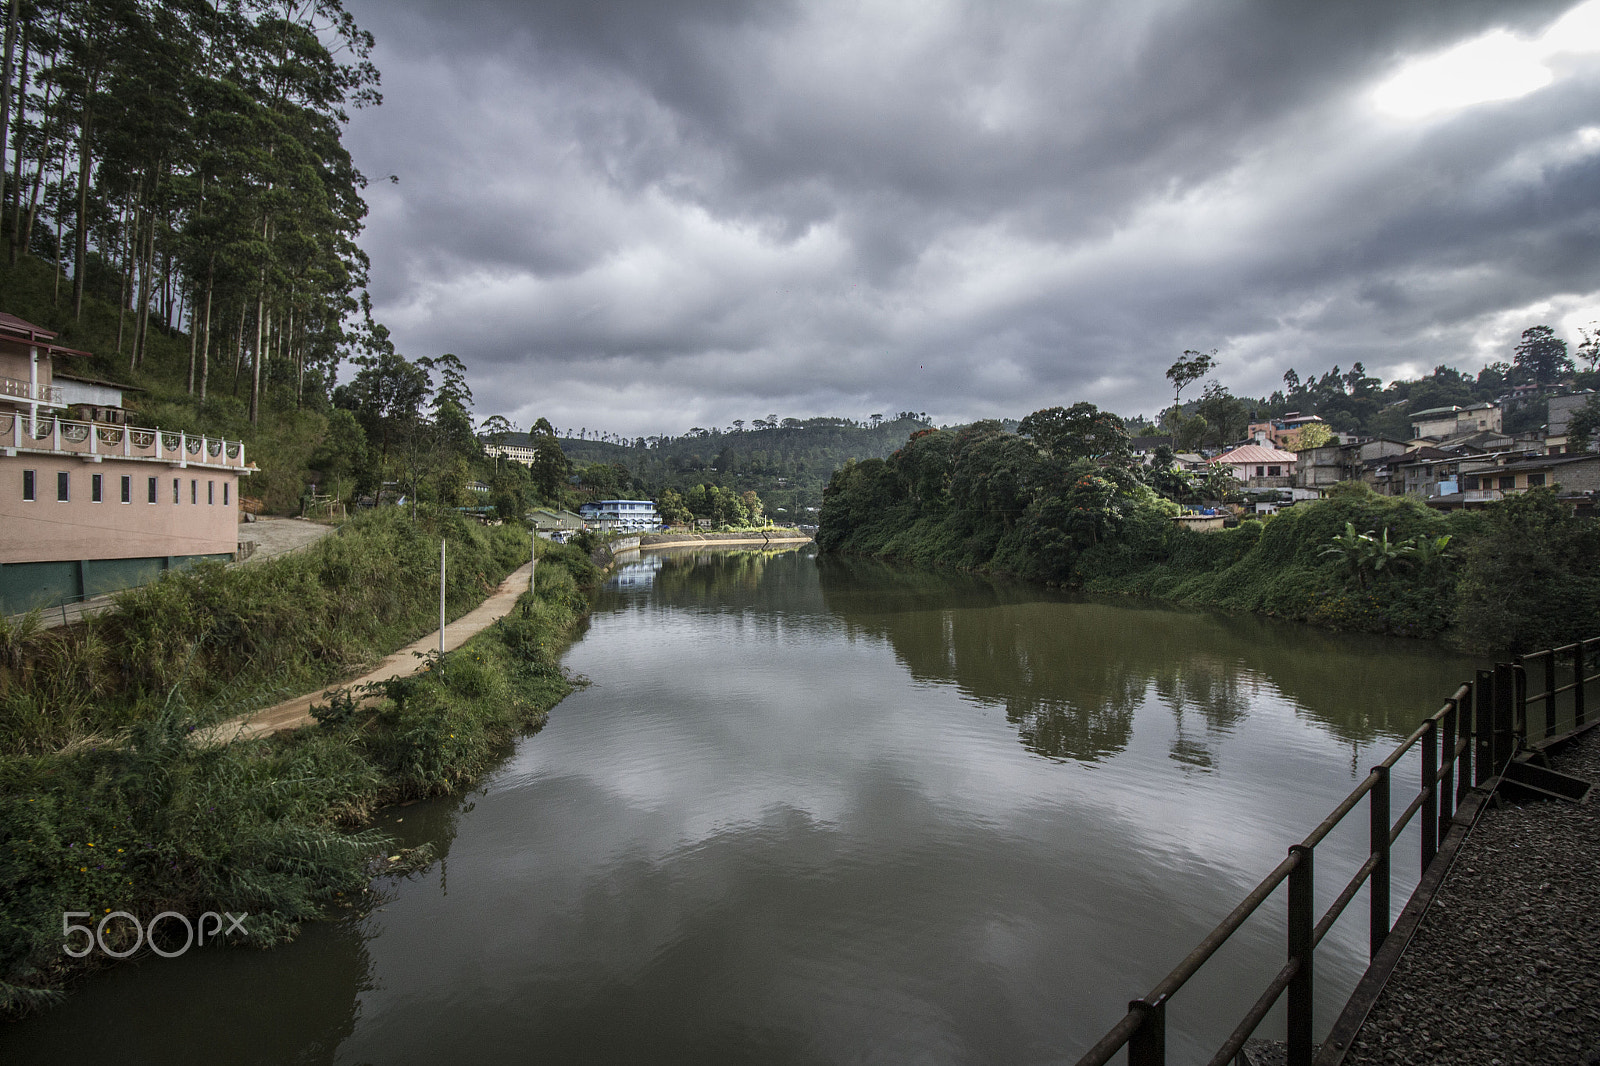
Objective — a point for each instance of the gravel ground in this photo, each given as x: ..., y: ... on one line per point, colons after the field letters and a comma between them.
x: 274, y: 536
x: 1505, y: 967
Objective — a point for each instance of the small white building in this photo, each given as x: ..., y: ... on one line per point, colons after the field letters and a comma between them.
x: 621, y: 516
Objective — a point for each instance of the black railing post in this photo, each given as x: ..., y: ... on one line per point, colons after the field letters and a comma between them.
x: 1301, y: 923
x: 1482, y: 726
x: 1521, y: 728
x: 1464, y: 772
x: 1550, y: 693
x: 1430, y: 796
x: 1378, y: 801
x: 1577, y: 682
x: 1148, y: 1044
x: 1451, y: 768
x: 1505, y: 714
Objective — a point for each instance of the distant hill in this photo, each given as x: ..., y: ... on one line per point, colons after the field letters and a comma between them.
x: 787, y: 465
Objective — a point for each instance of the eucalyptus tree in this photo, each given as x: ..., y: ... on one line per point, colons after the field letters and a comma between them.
x: 195, y: 145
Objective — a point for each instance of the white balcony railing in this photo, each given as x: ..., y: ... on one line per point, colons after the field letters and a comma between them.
x: 98, y: 439
x: 31, y: 393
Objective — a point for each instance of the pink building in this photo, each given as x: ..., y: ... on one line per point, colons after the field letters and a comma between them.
x: 1258, y: 467
x: 89, y: 505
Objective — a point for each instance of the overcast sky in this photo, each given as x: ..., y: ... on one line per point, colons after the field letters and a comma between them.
x: 646, y: 215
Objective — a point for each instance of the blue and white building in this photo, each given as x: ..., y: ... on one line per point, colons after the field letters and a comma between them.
x: 620, y: 516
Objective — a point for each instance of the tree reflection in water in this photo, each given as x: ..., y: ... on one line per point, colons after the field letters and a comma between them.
x: 1073, y: 671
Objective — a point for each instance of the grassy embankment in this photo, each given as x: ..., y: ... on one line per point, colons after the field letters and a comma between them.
x: 107, y: 805
x: 1522, y: 574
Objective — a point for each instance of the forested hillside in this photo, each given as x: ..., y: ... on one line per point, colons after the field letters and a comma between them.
x: 1062, y: 501
x: 786, y: 463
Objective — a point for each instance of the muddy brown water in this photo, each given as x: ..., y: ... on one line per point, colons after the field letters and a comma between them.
x: 824, y: 811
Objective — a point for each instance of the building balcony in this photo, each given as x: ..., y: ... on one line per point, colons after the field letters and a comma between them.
x: 27, y: 392
x: 96, y: 441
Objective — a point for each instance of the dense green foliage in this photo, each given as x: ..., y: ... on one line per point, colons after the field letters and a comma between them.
x: 1522, y: 574
x: 184, y: 160
x: 786, y: 463
x: 283, y: 625
x: 130, y: 813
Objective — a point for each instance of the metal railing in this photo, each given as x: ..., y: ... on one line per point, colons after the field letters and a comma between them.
x: 62, y: 435
x: 27, y: 390
x: 1554, y: 727
x: 1465, y: 745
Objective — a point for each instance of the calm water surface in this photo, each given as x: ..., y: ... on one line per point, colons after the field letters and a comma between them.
x: 822, y: 811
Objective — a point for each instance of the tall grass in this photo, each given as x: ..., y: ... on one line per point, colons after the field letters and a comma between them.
x: 274, y: 628
x: 115, y: 807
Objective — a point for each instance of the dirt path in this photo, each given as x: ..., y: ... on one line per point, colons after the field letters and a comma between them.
x: 292, y: 714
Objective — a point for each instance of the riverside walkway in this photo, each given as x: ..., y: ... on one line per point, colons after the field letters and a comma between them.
x: 292, y: 714
x: 1505, y: 966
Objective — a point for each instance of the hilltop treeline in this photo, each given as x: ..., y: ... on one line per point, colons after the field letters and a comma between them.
x: 786, y: 462
x: 1354, y: 401
x: 183, y: 161
x: 1061, y: 501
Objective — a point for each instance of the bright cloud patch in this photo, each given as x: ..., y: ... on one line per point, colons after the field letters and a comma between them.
x: 1495, y: 66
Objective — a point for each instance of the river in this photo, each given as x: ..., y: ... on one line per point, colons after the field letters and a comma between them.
x: 830, y: 811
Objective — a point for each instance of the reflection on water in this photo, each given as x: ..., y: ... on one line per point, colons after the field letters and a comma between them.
x: 827, y: 811
x: 1072, y: 672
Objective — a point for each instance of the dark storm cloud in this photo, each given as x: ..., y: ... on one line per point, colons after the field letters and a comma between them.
x: 650, y: 215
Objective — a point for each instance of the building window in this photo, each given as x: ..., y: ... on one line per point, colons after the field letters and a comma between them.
x: 152, y: 490
x: 1470, y: 484
x: 28, y: 490
x: 1508, y: 481
x: 1535, y: 481
x: 1259, y: 471
x: 224, y: 494
x: 177, y: 486
x: 1274, y: 471
x: 194, y: 490
x: 63, y: 484
x: 211, y: 492
x: 127, y: 489
x: 96, y: 485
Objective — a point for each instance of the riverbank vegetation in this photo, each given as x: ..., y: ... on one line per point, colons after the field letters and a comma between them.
x: 1063, y: 502
x: 108, y: 804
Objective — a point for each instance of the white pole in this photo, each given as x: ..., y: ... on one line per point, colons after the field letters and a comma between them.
x: 441, y: 597
x: 533, y: 557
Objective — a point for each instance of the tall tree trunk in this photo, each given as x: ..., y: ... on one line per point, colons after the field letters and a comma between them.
x: 238, y: 353
x: 80, y: 250
x: 205, y: 352
x: 38, y: 177
x: 127, y: 257
x: 142, y: 339
x: 61, y: 190
x: 255, y: 379
x: 194, y: 349
x: 5, y: 90
x: 149, y: 256
x: 21, y: 145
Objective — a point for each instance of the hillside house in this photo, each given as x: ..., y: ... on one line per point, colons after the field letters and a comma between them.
x: 1280, y: 432
x: 1259, y: 468
x: 92, y: 504
x: 1562, y: 408
x: 1441, y: 423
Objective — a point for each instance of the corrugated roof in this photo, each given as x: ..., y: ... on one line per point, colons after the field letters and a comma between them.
x: 1254, y: 453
